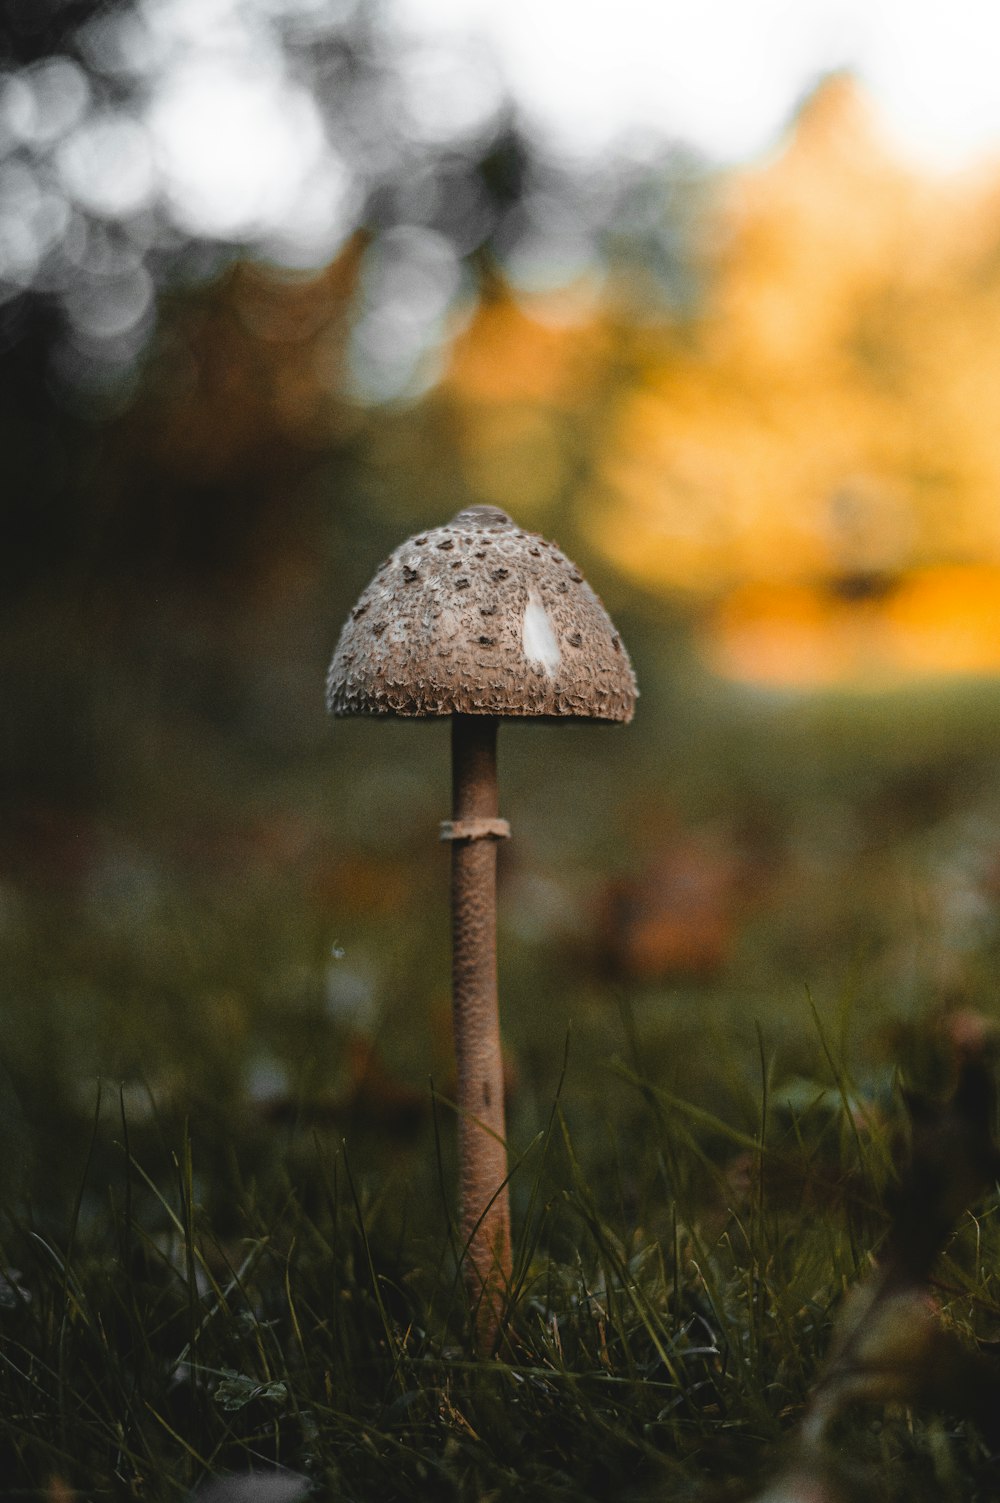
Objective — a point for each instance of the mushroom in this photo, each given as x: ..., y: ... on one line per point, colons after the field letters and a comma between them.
x: 479, y: 620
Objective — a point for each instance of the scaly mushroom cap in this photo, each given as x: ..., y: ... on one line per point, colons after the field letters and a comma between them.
x: 480, y: 618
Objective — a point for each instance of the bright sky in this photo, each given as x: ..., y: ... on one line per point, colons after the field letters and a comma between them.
x: 725, y: 74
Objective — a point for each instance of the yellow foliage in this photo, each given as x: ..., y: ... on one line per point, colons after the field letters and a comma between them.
x: 850, y: 345
x: 509, y: 356
x: 825, y: 422
x: 514, y: 375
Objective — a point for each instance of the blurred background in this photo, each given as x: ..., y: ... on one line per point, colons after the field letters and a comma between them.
x: 712, y: 300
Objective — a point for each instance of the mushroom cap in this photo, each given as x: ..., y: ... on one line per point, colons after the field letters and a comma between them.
x: 480, y: 618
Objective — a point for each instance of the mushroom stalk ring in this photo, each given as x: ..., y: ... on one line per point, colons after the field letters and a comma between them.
x: 475, y: 829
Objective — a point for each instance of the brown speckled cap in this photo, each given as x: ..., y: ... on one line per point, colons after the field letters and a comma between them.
x: 480, y: 618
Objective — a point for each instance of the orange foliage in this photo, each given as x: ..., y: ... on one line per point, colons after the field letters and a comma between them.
x: 787, y: 635
x: 936, y: 621
x: 946, y: 621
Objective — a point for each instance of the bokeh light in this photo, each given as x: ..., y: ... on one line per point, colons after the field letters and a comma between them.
x: 236, y: 147
x: 107, y: 165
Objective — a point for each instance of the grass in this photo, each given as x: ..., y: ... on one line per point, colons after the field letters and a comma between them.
x: 204, y: 1304
x: 229, y: 1260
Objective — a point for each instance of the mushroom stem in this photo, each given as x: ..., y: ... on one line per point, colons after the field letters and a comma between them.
x: 484, y: 1204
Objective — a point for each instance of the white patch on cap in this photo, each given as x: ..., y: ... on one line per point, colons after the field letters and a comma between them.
x: 538, y: 638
